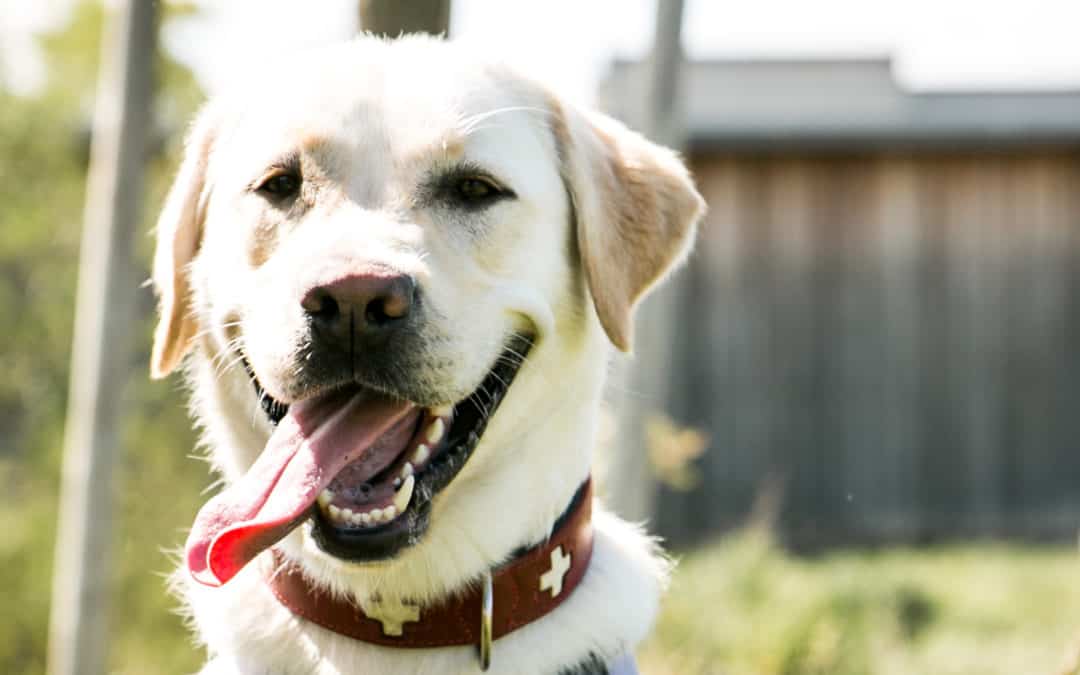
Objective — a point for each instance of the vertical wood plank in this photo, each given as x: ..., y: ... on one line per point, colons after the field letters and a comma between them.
x: 898, y: 240
x: 753, y: 423
x: 976, y: 220
x: 794, y: 459
x: 858, y: 346
x: 1039, y: 348
x: 729, y: 471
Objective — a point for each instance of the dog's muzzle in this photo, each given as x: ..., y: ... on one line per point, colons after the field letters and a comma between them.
x: 361, y: 465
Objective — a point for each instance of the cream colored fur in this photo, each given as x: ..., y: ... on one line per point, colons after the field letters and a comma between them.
x: 600, y: 216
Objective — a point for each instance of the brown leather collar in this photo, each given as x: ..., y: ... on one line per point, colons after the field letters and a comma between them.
x: 525, y: 589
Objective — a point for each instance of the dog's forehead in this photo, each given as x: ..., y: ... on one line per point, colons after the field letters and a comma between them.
x: 406, y: 102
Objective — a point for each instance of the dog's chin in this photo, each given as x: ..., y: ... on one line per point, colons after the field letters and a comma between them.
x: 351, y: 520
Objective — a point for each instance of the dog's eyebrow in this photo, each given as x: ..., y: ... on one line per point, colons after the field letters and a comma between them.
x: 446, y: 148
x: 289, y: 161
x: 310, y: 142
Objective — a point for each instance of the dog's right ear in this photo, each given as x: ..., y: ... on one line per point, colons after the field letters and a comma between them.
x: 179, y: 231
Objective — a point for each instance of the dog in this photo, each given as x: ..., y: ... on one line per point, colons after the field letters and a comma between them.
x: 393, y: 272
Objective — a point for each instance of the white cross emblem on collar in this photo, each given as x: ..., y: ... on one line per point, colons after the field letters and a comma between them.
x: 392, y: 615
x: 552, y: 580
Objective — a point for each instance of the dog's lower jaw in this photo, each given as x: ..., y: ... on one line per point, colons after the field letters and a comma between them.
x: 246, y: 630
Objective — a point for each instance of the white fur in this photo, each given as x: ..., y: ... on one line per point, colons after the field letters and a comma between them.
x: 386, y: 105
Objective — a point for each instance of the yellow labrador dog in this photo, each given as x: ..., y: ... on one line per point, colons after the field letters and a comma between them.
x: 398, y: 269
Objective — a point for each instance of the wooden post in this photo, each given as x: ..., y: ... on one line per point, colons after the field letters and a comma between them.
x: 648, y: 383
x: 78, y: 634
x: 394, y: 17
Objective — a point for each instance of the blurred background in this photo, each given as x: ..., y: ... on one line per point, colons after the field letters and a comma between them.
x: 855, y: 415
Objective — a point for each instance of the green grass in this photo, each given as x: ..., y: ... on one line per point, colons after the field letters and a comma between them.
x: 744, y: 607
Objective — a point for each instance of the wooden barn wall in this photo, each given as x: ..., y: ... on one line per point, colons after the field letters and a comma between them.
x: 887, y: 345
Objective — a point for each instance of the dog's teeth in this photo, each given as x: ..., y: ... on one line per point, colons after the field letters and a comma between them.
x: 389, y: 513
x: 421, y: 454
x: 325, y: 497
x: 406, y: 470
x: 335, y: 512
x: 365, y: 518
x: 347, y: 515
x: 435, y: 431
x: 358, y: 519
x: 404, y: 494
x: 442, y: 410
x: 376, y: 515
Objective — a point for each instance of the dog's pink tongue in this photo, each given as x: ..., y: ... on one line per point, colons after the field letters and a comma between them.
x: 311, y: 444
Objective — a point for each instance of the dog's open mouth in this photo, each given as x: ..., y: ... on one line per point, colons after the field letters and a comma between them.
x: 363, y: 466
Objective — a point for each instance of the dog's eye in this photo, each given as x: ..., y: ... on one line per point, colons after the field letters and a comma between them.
x: 477, y: 191
x: 466, y: 187
x: 280, y: 185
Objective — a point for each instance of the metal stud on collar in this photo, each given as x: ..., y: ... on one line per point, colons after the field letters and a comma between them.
x: 486, y: 611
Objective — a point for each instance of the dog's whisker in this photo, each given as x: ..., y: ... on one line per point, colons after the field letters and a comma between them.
x: 214, y: 485
x: 201, y: 458
x: 479, y: 406
x: 529, y: 340
x: 262, y: 405
x: 511, y: 360
x: 209, y: 331
x: 220, y: 372
x: 278, y: 569
x: 218, y: 363
x: 504, y: 383
x: 232, y: 350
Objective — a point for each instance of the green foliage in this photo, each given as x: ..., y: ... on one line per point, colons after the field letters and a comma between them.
x: 744, y: 607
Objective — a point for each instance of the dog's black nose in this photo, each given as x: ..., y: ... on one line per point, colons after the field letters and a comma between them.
x: 360, y: 306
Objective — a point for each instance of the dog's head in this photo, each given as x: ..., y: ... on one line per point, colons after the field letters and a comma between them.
x: 392, y: 261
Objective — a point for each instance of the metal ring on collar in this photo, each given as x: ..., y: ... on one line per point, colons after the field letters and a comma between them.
x: 486, y: 611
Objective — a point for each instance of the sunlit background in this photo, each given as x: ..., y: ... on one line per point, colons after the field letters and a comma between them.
x: 865, y: 447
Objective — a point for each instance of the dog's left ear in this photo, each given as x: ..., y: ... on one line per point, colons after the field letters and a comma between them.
x: 179, y: 231
x: 636, y: 210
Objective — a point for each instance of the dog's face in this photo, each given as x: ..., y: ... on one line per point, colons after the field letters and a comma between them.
x: 373, y: 251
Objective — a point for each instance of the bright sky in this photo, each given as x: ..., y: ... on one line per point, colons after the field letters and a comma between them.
x: 936, y: 44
